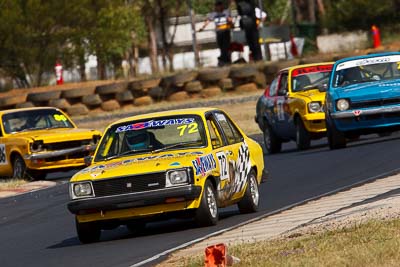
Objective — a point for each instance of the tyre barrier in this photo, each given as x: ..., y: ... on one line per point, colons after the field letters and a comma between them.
x: 179, y: 96
x: 80, y: 99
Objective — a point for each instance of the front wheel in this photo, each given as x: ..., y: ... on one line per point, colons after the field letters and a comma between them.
x: 88, y: 232
x: 303, y: 139
x: 207, y: 212
x: 19, y: 168
x: 336, y: 139
x: 250, y: 200
x: 272, y: 142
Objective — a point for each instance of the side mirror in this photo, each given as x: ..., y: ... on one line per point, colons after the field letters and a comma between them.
x: 88, y: 160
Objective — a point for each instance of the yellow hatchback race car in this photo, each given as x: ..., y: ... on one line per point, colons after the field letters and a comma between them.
x: 182, y: 162
x: 292, y: 107
x: 35, y: 141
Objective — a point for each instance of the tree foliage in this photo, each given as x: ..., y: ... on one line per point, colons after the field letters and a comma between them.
x: 35, y: 33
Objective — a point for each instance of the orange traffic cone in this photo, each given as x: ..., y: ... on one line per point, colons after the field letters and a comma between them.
x: 217, y: 256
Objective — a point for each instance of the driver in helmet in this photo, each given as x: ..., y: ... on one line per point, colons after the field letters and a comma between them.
x: 141, y: 139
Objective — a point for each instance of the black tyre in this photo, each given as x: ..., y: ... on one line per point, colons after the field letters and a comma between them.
x: 19, y: 168
x: 136, y: 226
x: 242, y: 72
x: 88, y: 232
x: 44, y: 96
x: 92, y: 100
x: 384, y: 134
x: 250, y: 200
x: 272, y: 142
x: 213, y: 74
x: 336, y: 139
x: 303, y: 139
x: 207, y: 212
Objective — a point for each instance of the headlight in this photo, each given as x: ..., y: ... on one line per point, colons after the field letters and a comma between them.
x: 314, y: 107
x: 37, y: 146
x: 84, y: 189
x: 177, y: 177
x: 342, y: 104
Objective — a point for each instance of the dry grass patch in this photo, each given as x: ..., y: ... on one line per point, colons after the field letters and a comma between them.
x: 8, y: 184
x: 376, y: 243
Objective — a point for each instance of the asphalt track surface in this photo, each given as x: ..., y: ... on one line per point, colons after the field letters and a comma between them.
x: 36, y: 229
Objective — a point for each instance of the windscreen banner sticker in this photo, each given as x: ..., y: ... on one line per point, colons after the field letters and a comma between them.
x: 311, y: 69
x: 204, y: 164
x: 223, y: 165
x: 3, y: 155
x: 59, y: 117
x: 153, y: 124
x: 367, y: 61
x: 242, y: 167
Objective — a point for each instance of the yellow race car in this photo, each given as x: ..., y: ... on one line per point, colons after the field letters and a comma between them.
x: 292, y: 107
x: 35, y: 141
x: 182, y: 162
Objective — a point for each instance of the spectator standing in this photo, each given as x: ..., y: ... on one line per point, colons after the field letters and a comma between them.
x: 248, y: 23
x: 223, y: 24
x: 261, y: 16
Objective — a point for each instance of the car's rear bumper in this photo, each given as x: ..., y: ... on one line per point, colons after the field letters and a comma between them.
x: 134, y: 200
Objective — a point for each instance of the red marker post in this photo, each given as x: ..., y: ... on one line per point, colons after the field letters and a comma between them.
x: 376, y: 36
x: 59, y: 72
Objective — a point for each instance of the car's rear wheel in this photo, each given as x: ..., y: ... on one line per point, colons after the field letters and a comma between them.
x: 272, y: 142
x: 303, y: 139
x: 250, y: 200
x: 88, y: 232
x: 207, y: 212
x: 336, y: 139
x: 19, y: 168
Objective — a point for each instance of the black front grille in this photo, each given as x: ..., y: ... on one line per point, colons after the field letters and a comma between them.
x: 129, y: 184
x: 65, y: 145
x: 375, y: 103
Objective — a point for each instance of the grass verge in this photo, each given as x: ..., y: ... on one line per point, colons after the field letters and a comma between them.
x: 375, y: 243
x: 9, y: 184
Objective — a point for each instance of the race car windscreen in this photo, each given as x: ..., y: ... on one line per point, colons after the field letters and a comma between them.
x: 152, y: 136
x: 374, y: 69
x: 312, y: 77
x: 21, y: 121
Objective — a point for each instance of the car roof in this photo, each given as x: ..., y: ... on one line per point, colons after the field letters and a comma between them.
x: 307, y: 65
x: 366, y: 56
x: 26, y: 109
x: 190, y: 111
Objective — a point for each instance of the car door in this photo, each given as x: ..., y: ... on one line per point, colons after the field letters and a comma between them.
x: 269, y: 102
x: 232, y: 155
x: 281, y: 115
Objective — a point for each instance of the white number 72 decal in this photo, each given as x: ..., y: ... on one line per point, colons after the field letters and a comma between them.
x: 223, y: 165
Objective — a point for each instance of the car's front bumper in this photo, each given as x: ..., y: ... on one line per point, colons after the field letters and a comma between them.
x: 58, y: 153
x: 378, y: 117
x: 98, y: 207
x: 315, y: 122
x: 59, y: 159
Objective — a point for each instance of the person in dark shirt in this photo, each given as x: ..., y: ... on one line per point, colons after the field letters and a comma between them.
x: 223, y: 24
x: 248, y: 23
